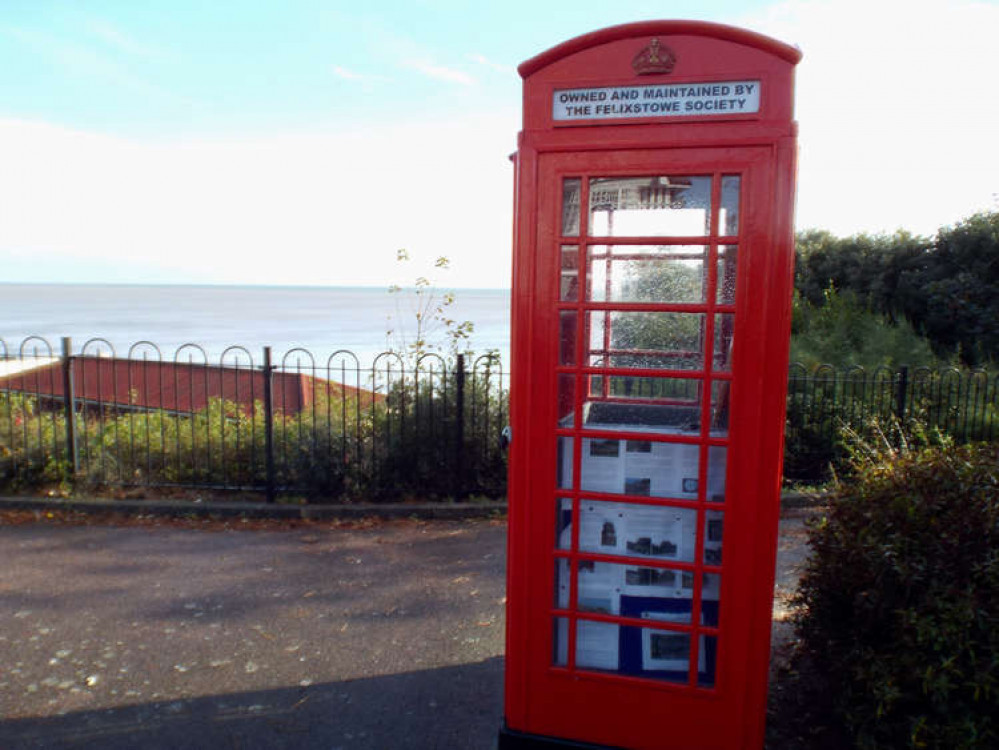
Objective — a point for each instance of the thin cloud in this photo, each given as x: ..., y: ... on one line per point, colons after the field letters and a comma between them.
x: 486, y: 62
x: 440, y: 72
x: 82, y: 60
x: 348, y: 75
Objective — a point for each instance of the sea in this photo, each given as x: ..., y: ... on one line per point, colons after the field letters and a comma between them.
x: 192, y: 322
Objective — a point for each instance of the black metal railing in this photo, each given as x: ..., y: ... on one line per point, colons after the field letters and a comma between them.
x: 822, y: 401
x: 338, y: 429
x: 332, y: 429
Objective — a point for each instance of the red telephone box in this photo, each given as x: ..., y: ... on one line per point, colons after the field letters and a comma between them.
x: 651, y: 315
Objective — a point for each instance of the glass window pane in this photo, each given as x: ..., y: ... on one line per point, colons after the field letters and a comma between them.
x: 652, y: 653
x: 632, y: 591
x: 569, y: 284
x: 726, y: 274
x: 597, y: 645
x: 570, y: 206
x: 638, y: 467
x: 563, y: 523
x: 717, y: 455
x: 667, y: 391
x: 728, y: 223
x: 713, y: 530
x: 564, y: 469
x: 710, y: 599
x: 645, y: 417
x: 650, y: 531
x: 724, y: 330
x: 648, y: 340
x: 663, y: 405
x: 655, y: 206
x: 562, y: 583
x: 567, y: 338
x: 707, y: 661
x: 599, y: 587
x: 665, y: 654
x: 647, y: 273
x: 720, y: 406
x: 560, y: 641
x: 566, y: 400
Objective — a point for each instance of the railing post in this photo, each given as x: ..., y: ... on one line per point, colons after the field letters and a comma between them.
x: 69, y: 400
x: 459, y: 407
x: 901, y: 388
x: 269, y: 423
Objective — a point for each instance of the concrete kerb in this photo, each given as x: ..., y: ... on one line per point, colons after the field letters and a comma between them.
x: 209, y: 509
x: 202, y: 509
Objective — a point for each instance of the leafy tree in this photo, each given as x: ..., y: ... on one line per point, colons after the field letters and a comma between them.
x: 947, y: 287
x: 842, y: 331
x: 874, y: 268
x: 953, y: 296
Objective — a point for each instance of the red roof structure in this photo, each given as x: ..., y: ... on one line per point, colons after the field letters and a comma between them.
x: 176, y: 387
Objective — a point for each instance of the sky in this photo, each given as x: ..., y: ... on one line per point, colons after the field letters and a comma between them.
x: 306, y: 141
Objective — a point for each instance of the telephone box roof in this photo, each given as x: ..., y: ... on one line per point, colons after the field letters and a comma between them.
x: 661, y: 28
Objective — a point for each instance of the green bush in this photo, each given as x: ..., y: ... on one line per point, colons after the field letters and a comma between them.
x: 901, y: 596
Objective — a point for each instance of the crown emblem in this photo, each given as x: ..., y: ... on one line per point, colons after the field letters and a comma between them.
x: 655, y: 58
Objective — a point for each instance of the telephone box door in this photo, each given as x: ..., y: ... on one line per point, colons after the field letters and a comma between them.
x: 651, y: 296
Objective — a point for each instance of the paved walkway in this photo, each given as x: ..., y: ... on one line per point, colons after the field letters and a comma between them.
x: 384, y: 636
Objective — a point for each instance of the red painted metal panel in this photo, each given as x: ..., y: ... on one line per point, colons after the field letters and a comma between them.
x: 715, y: 698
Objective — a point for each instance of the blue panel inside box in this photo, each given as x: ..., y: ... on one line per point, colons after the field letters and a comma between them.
x: 630, y: 638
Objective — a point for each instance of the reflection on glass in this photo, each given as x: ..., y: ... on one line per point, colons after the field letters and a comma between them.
x: 566, y: 400
x: 648, y: 340
x: 565, y: 463
x: 729, y: 214
x: 563, y: 523
x: 717, y: 456
x: 726, y: 274
x: 720, y: 406
x: 674, y: 391
x: 724, y: 331
x: 647, y: 273
x: 570, y: 206
x: 638, y: 467
x: 569, y: 284
x: 633, y: 530
x: 655, y: 206
x: 666, y: 419
x: 567, y: 338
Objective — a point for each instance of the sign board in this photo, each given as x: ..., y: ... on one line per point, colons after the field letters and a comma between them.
x: 660, y: 100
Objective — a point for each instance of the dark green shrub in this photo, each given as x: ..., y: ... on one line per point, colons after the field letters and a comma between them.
x: 901, y: 597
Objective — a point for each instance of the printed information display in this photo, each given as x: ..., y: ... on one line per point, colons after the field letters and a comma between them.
x: 662, y: 100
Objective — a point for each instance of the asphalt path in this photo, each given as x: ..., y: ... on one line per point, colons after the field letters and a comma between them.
x: 388, y: 636
x: 242, y: 635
